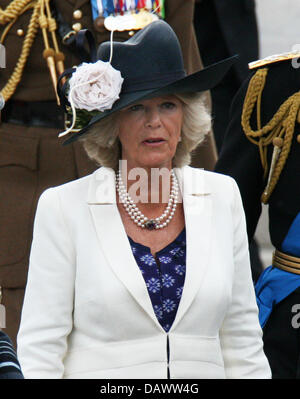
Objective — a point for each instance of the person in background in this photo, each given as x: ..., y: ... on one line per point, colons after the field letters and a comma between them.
x: 9, y: 365
x: 31, y: 156
x: 261, y: 151
x: 224, y: 28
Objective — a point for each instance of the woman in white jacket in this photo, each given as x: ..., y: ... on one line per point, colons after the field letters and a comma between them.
x: 133, y: 275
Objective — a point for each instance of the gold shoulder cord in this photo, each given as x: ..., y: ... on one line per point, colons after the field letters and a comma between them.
x: 41, y: 17
x: 278, y: 131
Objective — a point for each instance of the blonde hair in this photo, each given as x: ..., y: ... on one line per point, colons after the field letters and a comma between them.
x: 103, y: 146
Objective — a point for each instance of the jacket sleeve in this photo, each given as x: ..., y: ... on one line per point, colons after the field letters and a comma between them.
x: 9, y: 365
x: 46, y: 317
x: 241, y: 334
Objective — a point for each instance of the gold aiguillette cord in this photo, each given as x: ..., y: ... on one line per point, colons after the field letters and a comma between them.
x: 53, y: 57
x: 59, y: 55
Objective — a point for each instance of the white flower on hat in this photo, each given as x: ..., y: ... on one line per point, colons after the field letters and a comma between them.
x: 95, y: 86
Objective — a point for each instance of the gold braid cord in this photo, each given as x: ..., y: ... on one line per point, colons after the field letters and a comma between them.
x: 278, y: 131
x: 16, y: 76
x: 41, y: 17
x: 13, y: 10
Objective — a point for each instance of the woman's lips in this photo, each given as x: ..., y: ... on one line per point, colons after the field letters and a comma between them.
x: 154, y: 142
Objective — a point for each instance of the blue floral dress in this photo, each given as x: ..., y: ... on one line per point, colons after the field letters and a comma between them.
x: 164, y: 276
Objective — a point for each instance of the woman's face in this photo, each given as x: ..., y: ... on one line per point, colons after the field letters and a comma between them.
x: 149, y: 131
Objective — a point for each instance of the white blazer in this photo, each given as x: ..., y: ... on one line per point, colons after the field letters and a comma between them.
x: 87, y: 312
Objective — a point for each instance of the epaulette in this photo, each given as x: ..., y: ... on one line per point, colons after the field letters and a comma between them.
x: 279, y: 130
x: 275, y: 58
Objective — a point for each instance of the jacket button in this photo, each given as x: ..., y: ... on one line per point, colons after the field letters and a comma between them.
x: 77, y: 27
x: 77, y: 14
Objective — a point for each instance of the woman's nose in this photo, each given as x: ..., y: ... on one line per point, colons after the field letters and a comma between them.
x: 153, y: 118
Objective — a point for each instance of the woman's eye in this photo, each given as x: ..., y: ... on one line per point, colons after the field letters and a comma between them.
x: 168, y: 105
x: 136, y: 107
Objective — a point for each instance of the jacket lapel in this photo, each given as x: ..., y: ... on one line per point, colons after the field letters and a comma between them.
x: 77, y: 3
x: 113, y: 238
x: 198, y: 219
x: 108, y: 223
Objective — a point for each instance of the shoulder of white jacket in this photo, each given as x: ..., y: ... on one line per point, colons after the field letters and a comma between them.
x: 207, y: 182
x: 213, y: 177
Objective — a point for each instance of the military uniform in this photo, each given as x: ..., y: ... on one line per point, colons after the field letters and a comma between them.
x: 32, y: 157
x: 224, y: 28
x: 266, y: 98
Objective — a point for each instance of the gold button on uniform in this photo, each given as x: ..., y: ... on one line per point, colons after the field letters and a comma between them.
x: 20, y: 32
x: 77, y: 14
x: 298, y: 138
x: 77, y: 27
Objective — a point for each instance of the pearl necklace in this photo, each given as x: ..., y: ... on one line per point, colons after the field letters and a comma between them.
x: 137, y: 216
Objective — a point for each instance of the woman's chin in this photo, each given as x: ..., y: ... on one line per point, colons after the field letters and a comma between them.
x: 156, y: 163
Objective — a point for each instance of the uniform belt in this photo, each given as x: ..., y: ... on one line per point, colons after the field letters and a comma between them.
x: 286, y: 262
x: 34, y: 113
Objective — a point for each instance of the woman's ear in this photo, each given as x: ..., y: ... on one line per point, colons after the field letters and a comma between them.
x: 111, y: 142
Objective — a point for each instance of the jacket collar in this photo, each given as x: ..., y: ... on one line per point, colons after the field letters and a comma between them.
x: 78, y: 3
x: 102, y: 189
x: 115, y: 244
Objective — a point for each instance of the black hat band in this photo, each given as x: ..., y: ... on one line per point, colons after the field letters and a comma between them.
x: 155, y: 81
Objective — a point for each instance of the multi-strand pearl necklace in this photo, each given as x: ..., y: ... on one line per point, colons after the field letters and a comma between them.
x: 137, y: 216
